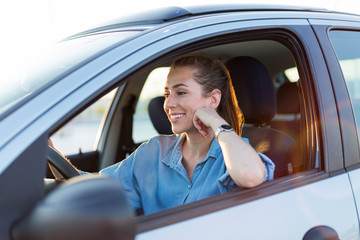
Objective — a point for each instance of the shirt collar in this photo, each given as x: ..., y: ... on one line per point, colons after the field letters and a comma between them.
x: 214, y: 150
x: 174, y: 155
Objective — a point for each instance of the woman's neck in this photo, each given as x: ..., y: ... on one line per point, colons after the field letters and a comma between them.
x: 196, y: 146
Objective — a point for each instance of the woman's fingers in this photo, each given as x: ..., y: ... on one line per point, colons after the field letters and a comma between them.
x: 201, y: 128
x: 203, y: 118
x: 50, y: 143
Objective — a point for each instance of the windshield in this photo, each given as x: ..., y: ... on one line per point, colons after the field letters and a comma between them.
x: 41, y: 70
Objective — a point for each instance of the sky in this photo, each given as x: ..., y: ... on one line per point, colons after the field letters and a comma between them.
x: 28, y: 25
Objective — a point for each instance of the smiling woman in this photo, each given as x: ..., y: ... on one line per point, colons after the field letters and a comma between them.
x: 205, y: 156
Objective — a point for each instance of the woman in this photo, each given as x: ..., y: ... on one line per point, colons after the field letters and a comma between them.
x: 205, y: 156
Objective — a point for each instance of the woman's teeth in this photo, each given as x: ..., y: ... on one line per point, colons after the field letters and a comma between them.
x: 176, y: 116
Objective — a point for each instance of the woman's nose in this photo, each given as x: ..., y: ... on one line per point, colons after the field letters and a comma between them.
x: 169, y: 102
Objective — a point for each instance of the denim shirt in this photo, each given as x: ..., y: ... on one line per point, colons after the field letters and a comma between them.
x: 154, y: 178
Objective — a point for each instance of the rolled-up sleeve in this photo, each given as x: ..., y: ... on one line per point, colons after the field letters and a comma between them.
x: 268, y: 164
x: 227, y: 184
x: 269, y: 167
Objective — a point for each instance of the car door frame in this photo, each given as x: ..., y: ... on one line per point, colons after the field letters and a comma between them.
x: 330, y: 139
x: 349, y: 129
x: 347, y: 121
x: 329, y: 131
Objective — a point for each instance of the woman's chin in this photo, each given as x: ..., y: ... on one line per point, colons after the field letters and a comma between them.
x: 175, y: 131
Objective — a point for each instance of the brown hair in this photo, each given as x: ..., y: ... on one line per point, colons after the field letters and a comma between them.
x: 212, y: 74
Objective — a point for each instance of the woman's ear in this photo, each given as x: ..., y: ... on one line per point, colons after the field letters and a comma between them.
x: 215, y: 97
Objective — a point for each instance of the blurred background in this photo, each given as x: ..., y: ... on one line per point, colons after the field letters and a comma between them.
x: 30, y: 27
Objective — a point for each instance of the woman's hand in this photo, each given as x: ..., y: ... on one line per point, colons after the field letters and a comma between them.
x: 207, y: 120
x: 50, y: 143
x: 243, y: 163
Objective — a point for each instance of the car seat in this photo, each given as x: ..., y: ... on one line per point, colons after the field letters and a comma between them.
x: 256, y: 97
x: 158, y: 116
x: 287, y: 118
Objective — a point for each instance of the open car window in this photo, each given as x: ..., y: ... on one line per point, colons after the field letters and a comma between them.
x: 285, y: 117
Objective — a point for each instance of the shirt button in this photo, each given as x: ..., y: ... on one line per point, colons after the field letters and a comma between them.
x: 189, y: 186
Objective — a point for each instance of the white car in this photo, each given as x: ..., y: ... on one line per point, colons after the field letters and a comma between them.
x: 299, y: 90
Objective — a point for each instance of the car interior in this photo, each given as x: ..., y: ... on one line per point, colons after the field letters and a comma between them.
x: 267, y: 86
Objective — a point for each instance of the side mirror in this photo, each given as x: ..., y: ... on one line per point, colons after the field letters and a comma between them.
x: 85, y: 207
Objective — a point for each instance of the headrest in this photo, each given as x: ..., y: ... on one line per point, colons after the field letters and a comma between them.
x: 253, y: 88
x: 287, y: 98
x: 158, y: 116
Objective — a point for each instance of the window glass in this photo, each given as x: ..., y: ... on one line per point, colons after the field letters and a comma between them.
x: 347, y: 48
x: 154, y: 86
x: 82, y: 132
x: 292, y: 74
x: 24, y: 78
x: 289, y: 75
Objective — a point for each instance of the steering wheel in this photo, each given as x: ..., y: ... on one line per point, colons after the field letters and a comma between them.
x: 60, y: 164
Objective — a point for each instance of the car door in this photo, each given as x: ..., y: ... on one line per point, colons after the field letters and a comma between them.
x: 285, y: 208
x: 286, y: 215
x: 344, y: 39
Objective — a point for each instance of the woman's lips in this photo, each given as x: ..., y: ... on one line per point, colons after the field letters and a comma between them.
x: 175, y: 117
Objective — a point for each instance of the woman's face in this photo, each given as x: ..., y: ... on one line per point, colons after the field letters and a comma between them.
x: 183, y: 96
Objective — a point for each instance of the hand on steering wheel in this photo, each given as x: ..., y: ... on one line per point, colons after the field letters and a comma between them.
x: 60, y: 164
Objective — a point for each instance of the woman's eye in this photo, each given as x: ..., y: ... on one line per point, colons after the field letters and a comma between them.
x: 166, y: 95
x: 181, y: 93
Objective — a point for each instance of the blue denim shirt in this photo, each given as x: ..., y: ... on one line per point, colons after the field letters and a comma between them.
x: 155, y: 179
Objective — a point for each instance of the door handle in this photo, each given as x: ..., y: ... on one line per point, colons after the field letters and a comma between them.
x: 321, y: 233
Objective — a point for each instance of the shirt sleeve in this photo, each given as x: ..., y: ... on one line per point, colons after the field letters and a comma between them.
x: 269, y: 167
x: 123, y: 173
x: 268, y: 164
x: 229, y: 185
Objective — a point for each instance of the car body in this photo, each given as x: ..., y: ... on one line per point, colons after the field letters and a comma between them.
x: 322, y: 195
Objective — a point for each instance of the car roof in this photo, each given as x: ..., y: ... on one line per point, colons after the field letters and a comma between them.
x: 168, y: 14
x: 172, y: 13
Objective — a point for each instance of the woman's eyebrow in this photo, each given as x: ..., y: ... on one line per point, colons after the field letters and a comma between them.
x: 177, y: 86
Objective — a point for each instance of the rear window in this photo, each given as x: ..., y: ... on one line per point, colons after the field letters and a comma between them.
x: 347, y: 48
